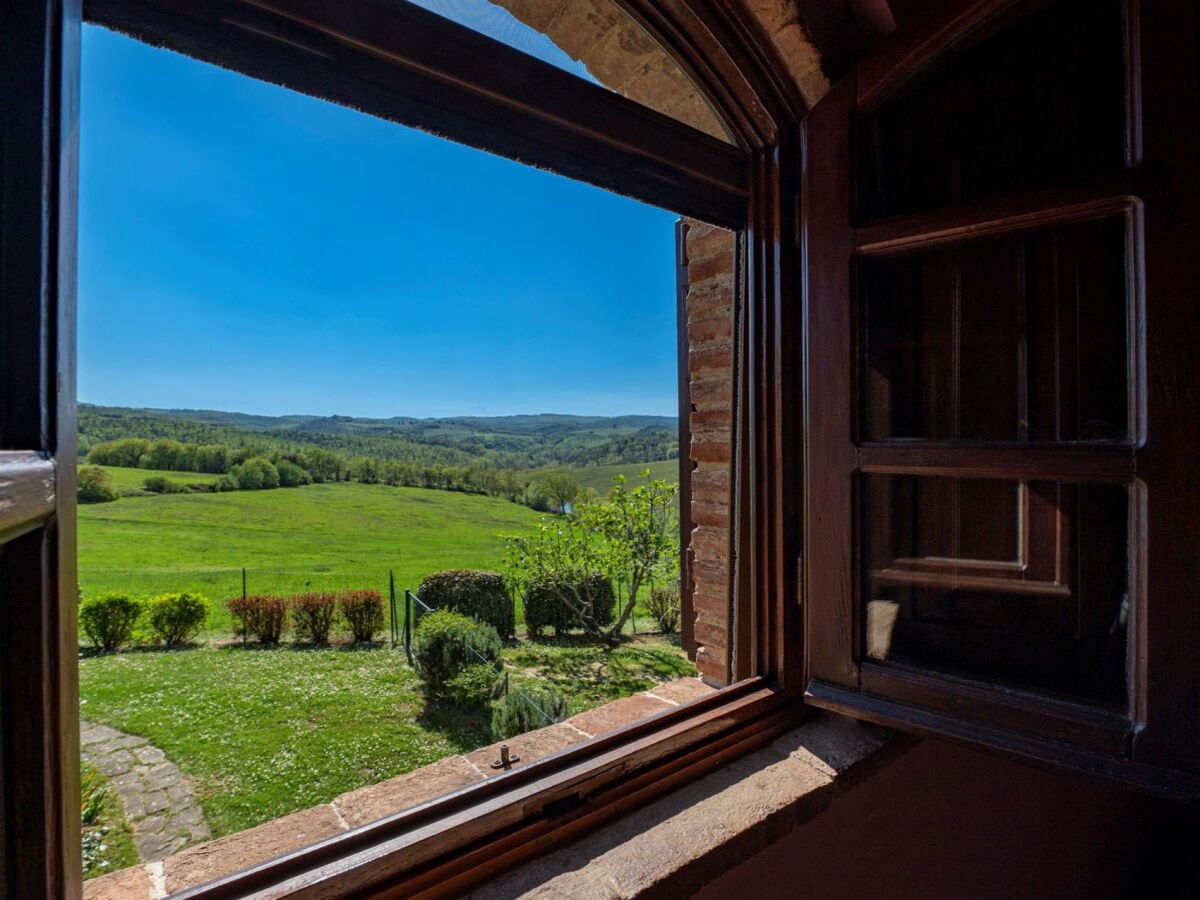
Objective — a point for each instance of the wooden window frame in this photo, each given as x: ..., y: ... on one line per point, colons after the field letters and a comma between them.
x: 1154, y: 745
x: 371, y: 55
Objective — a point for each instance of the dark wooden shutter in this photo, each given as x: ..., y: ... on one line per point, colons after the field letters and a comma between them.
x: 1000, y: 302
x: 39, y: 52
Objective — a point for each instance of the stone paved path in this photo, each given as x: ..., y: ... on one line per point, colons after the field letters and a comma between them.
x: 159, y: 804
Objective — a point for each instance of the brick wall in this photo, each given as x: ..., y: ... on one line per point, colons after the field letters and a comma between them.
x: 709, y: 310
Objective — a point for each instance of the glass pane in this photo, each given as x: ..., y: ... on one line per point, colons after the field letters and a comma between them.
x: 1020, y: 583
x: 594, y: 40
x: 1043, y: 101
x: 1019, y: 338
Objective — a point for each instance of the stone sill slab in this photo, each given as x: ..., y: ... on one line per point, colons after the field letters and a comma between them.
x: 676, y: 845
x: 671, y: 848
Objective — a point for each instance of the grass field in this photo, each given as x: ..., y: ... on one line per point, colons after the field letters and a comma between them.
x: 265, y: 732
x: 132, y: 479
x: 600, y: 478
x: 321, y: 536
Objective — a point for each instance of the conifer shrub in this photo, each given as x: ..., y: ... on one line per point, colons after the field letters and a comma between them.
x: 313, y: 615
x: 559, y: 603
x: 262, y: 615
x: 177, y: 618
x: 664, y: 607
x: 363, y: 612
x: 525, y: 711
x: 483, y: 596
x: 108, y: 620
x: 446, y: 643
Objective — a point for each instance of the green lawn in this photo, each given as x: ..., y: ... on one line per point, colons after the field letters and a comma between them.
x: 265, y: 732
x: 322, y: 536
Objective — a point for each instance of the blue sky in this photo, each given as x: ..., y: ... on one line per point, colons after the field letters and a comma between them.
x: 243, y: 247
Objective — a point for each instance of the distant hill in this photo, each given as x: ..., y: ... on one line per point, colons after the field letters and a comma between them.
x: 508, y: 442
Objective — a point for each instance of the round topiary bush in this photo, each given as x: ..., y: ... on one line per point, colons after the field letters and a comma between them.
x: 262, y: 616
x: 313, y: 615
x: 446, y: 643
x: 108, y: 620
x: 559, y: 602
x: 363, y: 612
x: 483, y: 596
x: 177, y: 618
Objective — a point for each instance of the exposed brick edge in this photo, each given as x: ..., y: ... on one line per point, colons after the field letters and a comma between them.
x: 233, y: 852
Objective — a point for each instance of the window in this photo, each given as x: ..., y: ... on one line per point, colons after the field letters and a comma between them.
x: 393, y: 61
x: 994, y: 335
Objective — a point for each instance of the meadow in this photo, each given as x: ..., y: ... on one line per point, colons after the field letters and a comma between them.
x: 321, y: 536
x: 600, y: 478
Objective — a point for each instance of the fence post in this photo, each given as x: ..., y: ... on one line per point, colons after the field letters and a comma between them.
x: 392, y: 606
x: 243, y: 582
x: 408, y: 625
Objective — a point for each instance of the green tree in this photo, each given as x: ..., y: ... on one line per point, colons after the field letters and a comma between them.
x: 256, y: 474
x: 560, y: 489
x: 633, y: 539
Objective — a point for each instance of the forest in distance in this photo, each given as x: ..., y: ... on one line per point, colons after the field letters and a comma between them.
x: 496, y: 456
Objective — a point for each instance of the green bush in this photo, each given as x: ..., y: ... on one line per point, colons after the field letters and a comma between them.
x: 224, y: 484
x: 525, y: 711
x: 255, y: 474
x: 108, y: 620
x: 160, y: 484
x: 94, y: 485
x: 664, y: 607
x: 291, y: 475
x: 363, y: 612
x: 446, y: 643
x: 177, y: 618
x: 481, y: 595
x: 474, y: 686
x: 260, y: 615
x: 313, y: 615
x: 556, y: 603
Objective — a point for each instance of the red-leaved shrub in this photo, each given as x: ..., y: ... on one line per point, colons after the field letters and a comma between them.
x: 313, y: 615
x: 363, y: 611
x: 262, y: 616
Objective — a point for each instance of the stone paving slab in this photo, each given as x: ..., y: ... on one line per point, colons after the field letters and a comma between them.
x: 159, y: 803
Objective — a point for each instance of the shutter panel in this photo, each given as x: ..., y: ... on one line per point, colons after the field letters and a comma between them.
x: 39, y: 754
x: 988, y: 464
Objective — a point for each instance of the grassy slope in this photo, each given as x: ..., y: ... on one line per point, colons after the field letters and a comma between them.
x: 600, y: 478
x: 132, y: 479
x: 351, y: 534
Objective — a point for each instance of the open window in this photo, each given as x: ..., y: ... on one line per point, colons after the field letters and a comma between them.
x: 402, y: 63
x: 994, y: 327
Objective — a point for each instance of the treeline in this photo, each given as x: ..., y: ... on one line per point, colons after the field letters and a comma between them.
x: 254, y: 468
x: 643, y: 446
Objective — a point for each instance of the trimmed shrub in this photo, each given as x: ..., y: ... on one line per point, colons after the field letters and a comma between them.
x: 363, y: 612
x: 108, y: 620
x: 553, y: 603
x: 664, y: 607
x: 177, y: 618
x: 525, y: 711
x: 313, y: 615
x: 261, y: 615
x: 446, y: 643
x: 481, y: 595
x: 94, y: 485
x: 474, y: 686
x: 160, y: 484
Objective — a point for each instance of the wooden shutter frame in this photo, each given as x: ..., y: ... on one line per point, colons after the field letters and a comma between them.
x: 456, y: 841
x: 1156, y: 746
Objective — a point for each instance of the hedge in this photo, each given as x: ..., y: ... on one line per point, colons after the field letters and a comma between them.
x: 552, y: 603
x: 483, y: 596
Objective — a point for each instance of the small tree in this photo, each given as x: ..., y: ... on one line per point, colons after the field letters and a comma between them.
x: 633, y: 539
x: 560, y: 489
x: 94, y: 485
x: 256, y: 474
